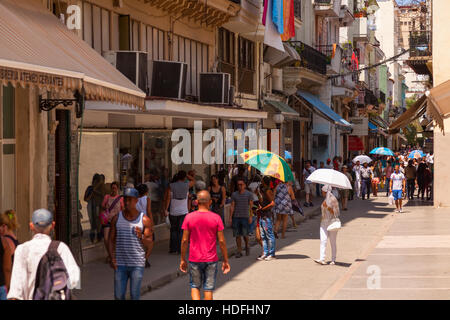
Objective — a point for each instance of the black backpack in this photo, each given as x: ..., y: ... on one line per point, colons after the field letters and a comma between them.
x: 52, y: 277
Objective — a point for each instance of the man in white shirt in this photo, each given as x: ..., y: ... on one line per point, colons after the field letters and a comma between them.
x: 28, y: 255
x: 397, y: 187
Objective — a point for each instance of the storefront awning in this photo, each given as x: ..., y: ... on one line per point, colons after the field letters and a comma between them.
x: 283, y: 108
x: 372, y: 126
x: 414, y: 112
x: 180, y: 108
x: 323, y: 110
x: 439, y: 102
x: 37, y: 49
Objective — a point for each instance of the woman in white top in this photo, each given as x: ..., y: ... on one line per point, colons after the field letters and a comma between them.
x: 330, y: 211
x: 144, y: 204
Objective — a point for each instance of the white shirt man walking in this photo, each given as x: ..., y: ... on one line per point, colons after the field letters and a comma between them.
x: 28, y: 255
x: 397, y: 187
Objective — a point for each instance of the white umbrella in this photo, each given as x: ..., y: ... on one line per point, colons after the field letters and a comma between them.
x: 332, y: 177
x: 362, y: 159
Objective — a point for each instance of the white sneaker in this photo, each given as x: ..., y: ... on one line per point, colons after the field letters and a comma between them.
x: 320, y: 262
x: 396, y: 210
x: 332, y: 263
x: 269, y: 258
x: 261, y: 258
x: 401, y: 210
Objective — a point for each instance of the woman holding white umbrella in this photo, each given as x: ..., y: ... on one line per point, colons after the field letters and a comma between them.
x: 330, y: 222
x: 329, y: 225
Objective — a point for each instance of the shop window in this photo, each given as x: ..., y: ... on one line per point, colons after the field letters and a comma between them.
x: 157, y: 169
x: 130, y: 148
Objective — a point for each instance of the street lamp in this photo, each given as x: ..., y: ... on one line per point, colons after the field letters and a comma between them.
x: 278, y: 118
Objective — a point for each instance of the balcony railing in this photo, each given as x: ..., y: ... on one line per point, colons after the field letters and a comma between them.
x: 298, y: 9
x: 370, y: 98
x: 420, y: 43
x: 311, y: 58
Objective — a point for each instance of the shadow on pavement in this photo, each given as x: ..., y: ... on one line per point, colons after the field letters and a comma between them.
x: 292, y: 256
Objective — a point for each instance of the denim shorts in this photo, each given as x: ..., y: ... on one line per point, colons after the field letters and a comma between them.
x: 397, y: 194
x: 240, y: 227
x: 203, y: 274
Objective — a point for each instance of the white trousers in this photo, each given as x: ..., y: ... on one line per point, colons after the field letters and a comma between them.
x: 358, y: 188
x: 324, y: 236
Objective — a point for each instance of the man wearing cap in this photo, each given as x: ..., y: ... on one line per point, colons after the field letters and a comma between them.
x: 28, y: 255
x: 130, y: 237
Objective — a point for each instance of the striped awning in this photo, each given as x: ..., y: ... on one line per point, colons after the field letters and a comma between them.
x: 413, y: 112
x: 37, y: 49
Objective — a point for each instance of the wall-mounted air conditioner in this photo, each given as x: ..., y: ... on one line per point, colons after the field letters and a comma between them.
x: 215, y: 88
x: 168, y: 79
x: 133, y: 65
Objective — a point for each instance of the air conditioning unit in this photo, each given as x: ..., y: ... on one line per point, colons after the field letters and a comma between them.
x: 215, y: 88
x: 169, y: 79
x: 133, y: 65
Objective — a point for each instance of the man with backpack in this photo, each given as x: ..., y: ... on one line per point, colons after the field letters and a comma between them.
x: 43, y: 269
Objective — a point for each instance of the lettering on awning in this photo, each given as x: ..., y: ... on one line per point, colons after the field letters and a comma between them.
x: 29, y: 77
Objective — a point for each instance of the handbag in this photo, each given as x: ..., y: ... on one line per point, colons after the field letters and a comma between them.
x: 104, y: 215
x: 334, y: 225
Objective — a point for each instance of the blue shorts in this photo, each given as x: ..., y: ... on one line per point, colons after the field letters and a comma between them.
x: 203, y: 274
x: 240, y: 227
x: 397, y: 194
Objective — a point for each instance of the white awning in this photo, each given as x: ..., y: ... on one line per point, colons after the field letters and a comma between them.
x: 37, y: 49
x: 181, y: 108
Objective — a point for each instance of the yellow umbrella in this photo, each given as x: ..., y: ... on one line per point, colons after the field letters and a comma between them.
x: 269, y: 164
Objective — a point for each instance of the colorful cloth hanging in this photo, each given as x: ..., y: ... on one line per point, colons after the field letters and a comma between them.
x: 289, y: 20
x: 277, y: 15
x: 266, y: 6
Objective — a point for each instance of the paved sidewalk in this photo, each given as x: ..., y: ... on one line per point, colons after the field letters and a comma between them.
x: 411, y: 261
x: 97, y: 277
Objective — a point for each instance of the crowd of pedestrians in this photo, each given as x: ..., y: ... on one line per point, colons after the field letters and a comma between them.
x: 259, y: 206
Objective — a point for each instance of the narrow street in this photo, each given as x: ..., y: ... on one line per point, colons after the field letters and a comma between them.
x: 294, y: 275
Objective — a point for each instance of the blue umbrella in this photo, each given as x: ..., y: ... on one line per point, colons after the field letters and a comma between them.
x: 382, y: 151
x: 287, y: 154
x: 416, y: 154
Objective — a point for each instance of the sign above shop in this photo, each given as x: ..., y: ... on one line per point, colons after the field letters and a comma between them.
x: 360, y: 126
x: 30, y: 77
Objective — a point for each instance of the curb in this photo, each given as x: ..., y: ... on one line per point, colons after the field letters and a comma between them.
x: 170, y: 277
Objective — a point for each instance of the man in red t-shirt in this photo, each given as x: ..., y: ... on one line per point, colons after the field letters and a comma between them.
x: 202, y: 228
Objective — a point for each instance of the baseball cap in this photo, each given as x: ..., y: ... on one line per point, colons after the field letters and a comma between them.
x: 42, y: 218
x: 130, y: 192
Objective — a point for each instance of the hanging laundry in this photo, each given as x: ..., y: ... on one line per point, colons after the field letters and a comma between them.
x: 271, y: 36
x: 277, y: 15
x: 266, y: 5
x: 289, y: 20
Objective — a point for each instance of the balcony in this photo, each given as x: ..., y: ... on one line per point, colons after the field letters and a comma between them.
x: 327, y: 8
x: 420, y: 44
x: 308, y: 72
x: 218, y: 11
x: 248, y: 21
x: 334, y: 57
x: 311, y: 58
x: 360, y: 30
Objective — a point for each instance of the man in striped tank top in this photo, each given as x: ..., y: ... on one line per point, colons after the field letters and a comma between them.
x: 130, y: 238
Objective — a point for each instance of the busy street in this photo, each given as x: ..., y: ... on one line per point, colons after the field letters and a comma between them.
x: 224, y: 150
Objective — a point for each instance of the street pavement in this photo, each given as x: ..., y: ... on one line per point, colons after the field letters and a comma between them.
x: 294, y: 274
x: 411, y: 261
